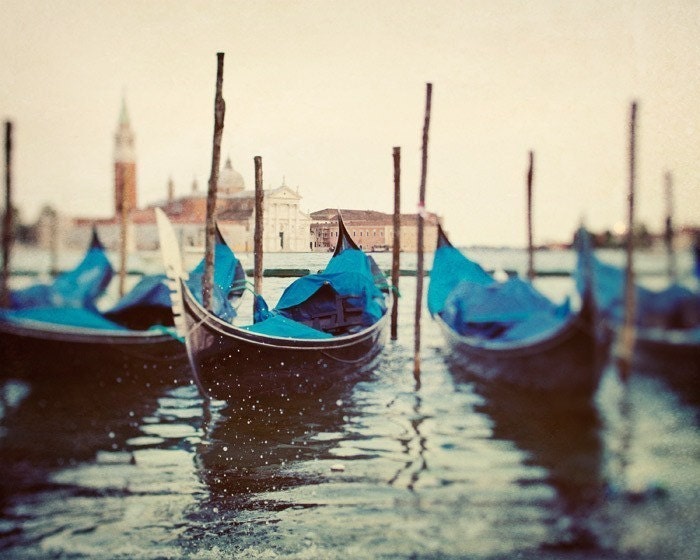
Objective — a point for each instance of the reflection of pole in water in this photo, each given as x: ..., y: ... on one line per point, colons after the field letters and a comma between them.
x: 619, y: 423
x: 414, y: 465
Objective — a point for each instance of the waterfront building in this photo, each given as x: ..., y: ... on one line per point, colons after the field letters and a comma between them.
x: 286, y: 227
x: 371, y: 230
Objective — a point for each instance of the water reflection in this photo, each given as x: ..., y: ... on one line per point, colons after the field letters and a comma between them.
x: 416, y: 462
x: 64, y: 441
x: 250, y: 447
x: 562, y: 437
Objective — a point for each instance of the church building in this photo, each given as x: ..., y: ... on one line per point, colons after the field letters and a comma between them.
x: 286, y: 227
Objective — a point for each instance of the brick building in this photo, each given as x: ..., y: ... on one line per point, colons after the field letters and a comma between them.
x: 371, y: 230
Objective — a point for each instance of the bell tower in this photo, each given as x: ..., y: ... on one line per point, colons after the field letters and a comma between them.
x: 124, y: 164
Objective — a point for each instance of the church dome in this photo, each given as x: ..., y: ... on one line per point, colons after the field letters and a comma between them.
x: 230, y: 180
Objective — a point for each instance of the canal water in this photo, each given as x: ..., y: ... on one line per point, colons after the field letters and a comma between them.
x: 394, y: 466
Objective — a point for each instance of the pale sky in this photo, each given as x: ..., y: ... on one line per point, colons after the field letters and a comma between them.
x: 323, y: 90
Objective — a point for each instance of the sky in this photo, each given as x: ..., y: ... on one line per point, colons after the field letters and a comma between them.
x: 323, y: 91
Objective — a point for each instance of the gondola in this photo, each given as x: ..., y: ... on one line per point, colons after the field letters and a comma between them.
x: 507, y: 332
x: 666, y: 321
x: 326, y: 328
x: 57, y: 327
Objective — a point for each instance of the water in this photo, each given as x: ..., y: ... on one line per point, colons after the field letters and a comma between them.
x: 391, y: 467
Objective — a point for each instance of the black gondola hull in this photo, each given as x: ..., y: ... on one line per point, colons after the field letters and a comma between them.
x: 39, y: 351
x: 568, y: 361
x: 232, y: 363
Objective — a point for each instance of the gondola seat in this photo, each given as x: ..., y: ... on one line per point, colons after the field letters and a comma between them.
x: 344, y: 316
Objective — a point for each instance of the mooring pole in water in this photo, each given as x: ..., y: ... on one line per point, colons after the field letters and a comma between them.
x: 53, y: 243
x: 421, y: 212
x: 396, y: 246
x: 7, y: 220
x: 123, y: 246
x: 219, y: 110
x: 258, y: 231
x: 625, y: 348
x: 668, y: 233
x: 530, y: 250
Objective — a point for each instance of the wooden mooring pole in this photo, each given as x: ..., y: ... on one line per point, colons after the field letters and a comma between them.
x: 396, y: 247
x: 668, y: 233
x: 7, y: 221
x: 258, y: 231
x: 530, y: 249
x: 421, y: 212
x: 123, y: 241
x: 625, y: 349
x: 219, y: 110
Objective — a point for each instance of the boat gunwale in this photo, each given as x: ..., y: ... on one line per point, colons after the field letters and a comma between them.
x: 71, y: 333
x: 202, y: 317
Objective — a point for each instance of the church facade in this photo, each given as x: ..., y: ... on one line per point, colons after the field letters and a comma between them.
x: 286, y: 227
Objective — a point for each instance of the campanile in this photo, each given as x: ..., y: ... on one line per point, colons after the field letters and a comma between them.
x: 124, y: 164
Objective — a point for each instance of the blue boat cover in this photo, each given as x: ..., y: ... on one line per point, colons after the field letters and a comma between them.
x: 474, y: 304
x: 229, y: 281
x: 676, y: 306
x: 349, y: 275
x: 70, y: 300
x: 510, y: 310
x: 150, y: 290
x: 78, y: 288
x: 450, y: 267
x: 67, y: 316
x: 279, y: 325
x: 146, y: 305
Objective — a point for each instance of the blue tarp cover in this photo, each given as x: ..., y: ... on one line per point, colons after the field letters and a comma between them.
x: 229, y: 281
x: 511, y: 310
x: 146, y: 305
x: 79, y: 287
x: 450, y: 267
x: 70, y: 316
x: 673, y: 307
x: 151, y: 290
x: 473, y: 304
x: 70, y: 299
x: 349, y: 274
x: 278, y: 325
